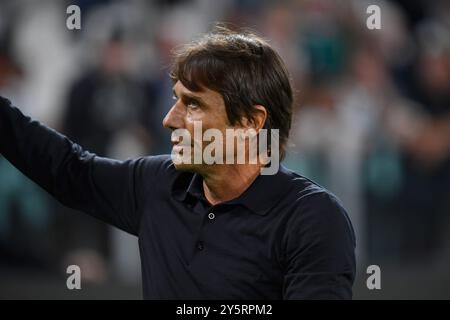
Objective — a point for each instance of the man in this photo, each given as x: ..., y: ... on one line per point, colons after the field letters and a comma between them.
x: 206, y: 231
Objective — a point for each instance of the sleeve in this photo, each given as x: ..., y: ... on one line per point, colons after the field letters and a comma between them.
x: 320, y: 251
x: 104, y: 188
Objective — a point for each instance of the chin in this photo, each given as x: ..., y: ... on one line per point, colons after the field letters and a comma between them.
x: 188, y: 167
x: 183, y: 167
x: 195, y: 168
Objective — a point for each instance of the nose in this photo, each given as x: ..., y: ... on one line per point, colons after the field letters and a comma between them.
x: 174, y: 118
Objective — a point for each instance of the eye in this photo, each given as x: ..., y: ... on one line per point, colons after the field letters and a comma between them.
x: 192, y: 104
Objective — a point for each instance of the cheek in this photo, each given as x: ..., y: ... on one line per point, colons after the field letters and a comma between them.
x: 208, y: 121
x: 192, y: 116
x: 196, y: 138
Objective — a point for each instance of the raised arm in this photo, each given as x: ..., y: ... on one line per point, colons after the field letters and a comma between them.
x: 104, y: 188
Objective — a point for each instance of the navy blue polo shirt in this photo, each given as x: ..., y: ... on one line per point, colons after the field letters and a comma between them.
x: 285, y: 237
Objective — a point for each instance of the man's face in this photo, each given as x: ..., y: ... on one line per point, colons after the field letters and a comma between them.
x: 207, y: 107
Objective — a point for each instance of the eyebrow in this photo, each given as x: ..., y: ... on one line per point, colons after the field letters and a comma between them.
x: 189, y: 96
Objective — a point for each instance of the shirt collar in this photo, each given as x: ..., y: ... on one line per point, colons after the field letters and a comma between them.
x: 262, y: 195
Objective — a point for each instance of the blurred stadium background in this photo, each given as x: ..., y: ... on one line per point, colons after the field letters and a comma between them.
x: 372, y: 124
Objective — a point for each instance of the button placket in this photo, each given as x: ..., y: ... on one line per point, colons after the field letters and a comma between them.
x: 200, y: 245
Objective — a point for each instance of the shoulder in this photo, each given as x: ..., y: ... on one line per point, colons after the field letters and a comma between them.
x: 305, y: 192
x: 155, y: 172
x: 316, y: 209
x: 161, y: 164
x: 159, y: 167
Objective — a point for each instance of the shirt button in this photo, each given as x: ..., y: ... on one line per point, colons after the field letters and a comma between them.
x: 211, y: 216
x: 200, y: 245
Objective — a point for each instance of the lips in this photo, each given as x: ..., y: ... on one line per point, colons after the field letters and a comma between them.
x: 177, y: 143
x: 181, y: 146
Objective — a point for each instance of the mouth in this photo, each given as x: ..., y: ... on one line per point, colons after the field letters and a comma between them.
x: 177, y: 145
x: 176, y: 142
x: 181, y: 147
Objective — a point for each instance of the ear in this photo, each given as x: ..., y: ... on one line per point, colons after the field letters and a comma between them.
x: 259, y: 117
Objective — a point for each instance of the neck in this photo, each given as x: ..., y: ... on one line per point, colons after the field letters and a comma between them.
x: 228, y: 182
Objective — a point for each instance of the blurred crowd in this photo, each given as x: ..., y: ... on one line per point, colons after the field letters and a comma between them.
x: 371, y: 121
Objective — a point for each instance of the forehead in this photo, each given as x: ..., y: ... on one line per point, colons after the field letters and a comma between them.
x: 209, y: 96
